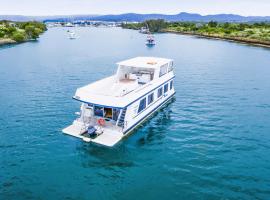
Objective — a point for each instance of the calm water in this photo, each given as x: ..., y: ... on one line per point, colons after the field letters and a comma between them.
x: 212, y: 142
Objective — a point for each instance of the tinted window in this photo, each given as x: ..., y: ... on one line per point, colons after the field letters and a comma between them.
x: 163, y: 70
x: 166, y: 88
x: 142, y: 105
x: 150, y: 98
x: 171, y: 84
x: 159, y: 92
x: 98, y: 111
x: 115, y: 114
x: 170, y: 67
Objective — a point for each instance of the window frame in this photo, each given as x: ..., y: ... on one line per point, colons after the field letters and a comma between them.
x: 166, y: 88
x: 101, y: 109
x: 165, y: 68
x: 170, y: 68
x: 171, y: 84
x: 159, y: 94
x: 142, y: 106
x: 152, y: 98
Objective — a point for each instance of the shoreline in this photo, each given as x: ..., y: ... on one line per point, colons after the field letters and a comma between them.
x: 252, y: 42
x: 13, y: 32
x: 7, y: 41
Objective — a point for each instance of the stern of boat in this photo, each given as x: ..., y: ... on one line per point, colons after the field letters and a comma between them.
x: 107, y: 137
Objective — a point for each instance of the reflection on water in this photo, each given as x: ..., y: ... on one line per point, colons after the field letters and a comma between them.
x: 156, y: 127
x: 97, y: 156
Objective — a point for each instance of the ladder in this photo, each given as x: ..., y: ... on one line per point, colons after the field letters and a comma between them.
x: 121, y: 120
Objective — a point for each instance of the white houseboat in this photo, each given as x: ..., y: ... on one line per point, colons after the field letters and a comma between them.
x: 112, y: 107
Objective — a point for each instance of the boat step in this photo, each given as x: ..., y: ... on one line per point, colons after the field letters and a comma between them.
x: 121, y: 121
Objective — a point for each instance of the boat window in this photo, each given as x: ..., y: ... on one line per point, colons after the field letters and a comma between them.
x: 150, y: 98
x: 98, y: 111
x: 163, y: 70
x: 170, y: 68
x: 142, y: 105
x: 166, y: 88
x: 90, y: 105
x: 159, y: 92
x: 115, y: 114
x: 108, y: 113
x: 171, y: 84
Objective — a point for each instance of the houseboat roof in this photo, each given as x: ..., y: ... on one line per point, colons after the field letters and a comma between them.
x: 145, y: 62
x: 110, y: 91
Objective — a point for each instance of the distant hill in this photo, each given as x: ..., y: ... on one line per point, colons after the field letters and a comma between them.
x: 181, y: 17
x: 142, y: 17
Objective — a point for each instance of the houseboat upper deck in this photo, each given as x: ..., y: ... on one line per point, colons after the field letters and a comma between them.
x: 126, y: 85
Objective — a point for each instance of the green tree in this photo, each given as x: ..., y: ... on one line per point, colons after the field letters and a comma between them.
x: 2, y: 34
x: 242, y: 27
x: 10, y: 30
x: 227, y: 31
x: 31, y: 32
x: 156, y: 25
x: 18, y: 36
x: 212, y: 24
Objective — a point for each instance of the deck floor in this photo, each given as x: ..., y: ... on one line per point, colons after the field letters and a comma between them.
x: 107, y: 138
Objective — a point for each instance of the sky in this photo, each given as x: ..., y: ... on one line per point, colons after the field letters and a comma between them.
x: 70, y: 7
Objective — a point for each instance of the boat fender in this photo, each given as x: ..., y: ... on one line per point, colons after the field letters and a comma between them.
x: 101, y: 122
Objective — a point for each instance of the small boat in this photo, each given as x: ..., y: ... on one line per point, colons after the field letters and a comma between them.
x: 113, y: 107
x: 150, y: 40
x: 144, y: 30
x: 69, y: 25
x: 72, y: 35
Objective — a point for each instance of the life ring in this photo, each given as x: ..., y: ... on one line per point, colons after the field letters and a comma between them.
x: 101, y: 122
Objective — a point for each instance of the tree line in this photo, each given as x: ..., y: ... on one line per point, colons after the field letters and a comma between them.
x: 21, y: 31
x: 253, y: 31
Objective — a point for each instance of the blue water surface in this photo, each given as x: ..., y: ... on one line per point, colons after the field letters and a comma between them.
x: 211, y: 142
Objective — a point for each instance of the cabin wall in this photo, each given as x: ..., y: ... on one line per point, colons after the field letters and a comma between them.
x: 132, y: 115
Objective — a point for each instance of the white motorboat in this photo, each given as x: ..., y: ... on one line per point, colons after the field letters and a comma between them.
x: 114, y: 106
x: 144, y: 30
x: 150, y: 40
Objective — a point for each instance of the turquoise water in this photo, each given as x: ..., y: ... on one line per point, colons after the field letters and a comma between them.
x: 212, y: 142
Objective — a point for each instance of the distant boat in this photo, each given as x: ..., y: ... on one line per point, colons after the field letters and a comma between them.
x: 150, y: 40
x: 72, y: 35
x: 144, y: 30
x: 50, y: 25
x: 69, y: 25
